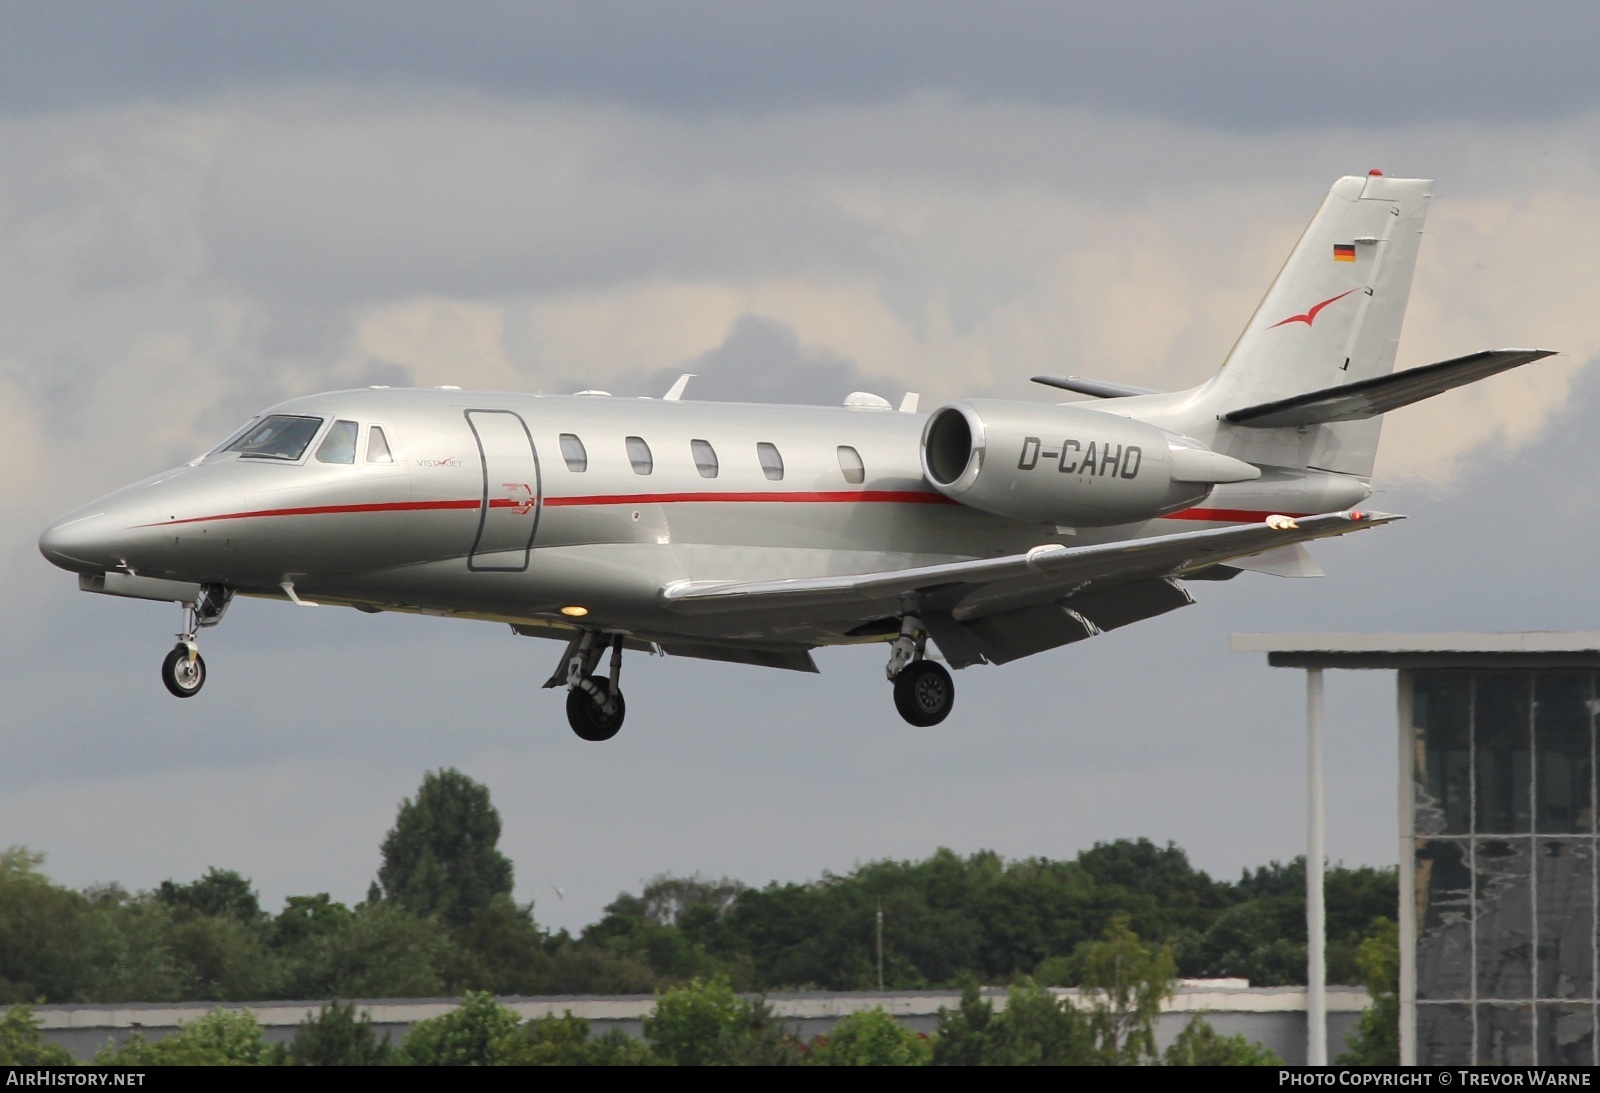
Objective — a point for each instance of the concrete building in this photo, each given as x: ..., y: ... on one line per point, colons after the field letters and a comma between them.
x: 1273, y: 1016
x: 1496, y: 752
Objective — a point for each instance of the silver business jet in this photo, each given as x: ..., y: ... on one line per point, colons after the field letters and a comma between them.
x: 753, y: 534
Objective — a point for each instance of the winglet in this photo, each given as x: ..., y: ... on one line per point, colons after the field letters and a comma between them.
x: 677, y: 389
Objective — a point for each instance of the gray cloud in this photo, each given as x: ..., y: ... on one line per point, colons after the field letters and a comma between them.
x: 173, y: 268
x: 1246, y: 65
x: 761, y: 361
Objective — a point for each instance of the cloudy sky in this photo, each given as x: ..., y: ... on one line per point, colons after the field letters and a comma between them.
x: 207, y: 208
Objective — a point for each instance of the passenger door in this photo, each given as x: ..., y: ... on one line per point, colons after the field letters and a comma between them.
x: 508, y: 516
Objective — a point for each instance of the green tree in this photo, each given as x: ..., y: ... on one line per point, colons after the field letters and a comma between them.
x: 966, y: 1035
x: 1377, y: 1039
x: 1124, y: 982
x: 220, y: 1038
x: 127, y: 957
x: 221, y: 958
x: 21, y: 1043
x: 1036, y: 1029
x: 1040, y: 1029
x: 500, y: 951
x: 221, y: 893
x: 475, y: 1033
x: 337, y: 1037
x: 41, y: 928
x: 869, y: 1038
x: 440, y: 858
x: 1201, y: 1045
x: 565, y: 1041
x: 706, y: 1024
x: 690, y: 1025
x: 387, y: 952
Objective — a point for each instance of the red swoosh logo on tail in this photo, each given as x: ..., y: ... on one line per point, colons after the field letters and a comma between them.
x: 1310, y: 317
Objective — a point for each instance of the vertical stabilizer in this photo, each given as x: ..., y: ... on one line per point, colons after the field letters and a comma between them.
x: 1332, y: 317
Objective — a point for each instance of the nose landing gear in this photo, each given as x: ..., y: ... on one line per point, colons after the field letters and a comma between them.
x: 184, y: 671
x: 595, y: 707
x: 924, y: 693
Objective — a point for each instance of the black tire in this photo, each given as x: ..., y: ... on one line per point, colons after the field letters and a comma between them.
x: 183, y: 678
x: 924, y: 693
x: 586, y: 717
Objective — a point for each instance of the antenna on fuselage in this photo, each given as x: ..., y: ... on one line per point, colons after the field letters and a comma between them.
x: 677, y: 389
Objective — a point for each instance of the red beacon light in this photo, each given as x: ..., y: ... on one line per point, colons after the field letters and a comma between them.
x: 1375, y: 173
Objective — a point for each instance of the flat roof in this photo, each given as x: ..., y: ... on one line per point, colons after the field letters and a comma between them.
x: 1525, y: 649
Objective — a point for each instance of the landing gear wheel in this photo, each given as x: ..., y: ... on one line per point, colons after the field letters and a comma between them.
x: 586, y: 717
x: 924, y: 693
x: 183, y: 677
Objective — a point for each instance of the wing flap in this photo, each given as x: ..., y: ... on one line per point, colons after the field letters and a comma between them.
x: 986, y: 586
x: 1371, y: 397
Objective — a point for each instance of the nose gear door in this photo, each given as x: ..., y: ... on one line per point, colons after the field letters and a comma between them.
x: 509, y: 513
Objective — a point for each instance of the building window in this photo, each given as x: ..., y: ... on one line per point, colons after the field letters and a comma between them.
x: 771, y: 461
x: 855, y: 471
x: 639, y: 455
x: 1503, y: 861
x: 705, y: 458
x: 573, y: 451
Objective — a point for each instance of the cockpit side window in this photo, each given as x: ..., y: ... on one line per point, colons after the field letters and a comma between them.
x: 573, y: 451
x: 281, y: 436
x: 378, y: 446
x: 339, y: 446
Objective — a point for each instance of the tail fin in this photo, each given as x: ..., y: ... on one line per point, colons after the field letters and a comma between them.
x: 1331, y: 318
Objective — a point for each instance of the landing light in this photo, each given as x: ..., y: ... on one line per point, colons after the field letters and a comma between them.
x: 575, y: 611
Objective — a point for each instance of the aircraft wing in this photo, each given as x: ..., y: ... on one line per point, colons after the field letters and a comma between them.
x: 990, y: 608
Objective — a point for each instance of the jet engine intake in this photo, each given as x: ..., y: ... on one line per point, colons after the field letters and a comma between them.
x: 1067, y: 465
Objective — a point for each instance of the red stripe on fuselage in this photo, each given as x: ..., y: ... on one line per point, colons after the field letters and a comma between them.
x: 903, y: 497
x: 851, y: 496
x: 323, y: 510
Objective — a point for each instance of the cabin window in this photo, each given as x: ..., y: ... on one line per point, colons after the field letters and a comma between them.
x: 378, y: 446
x: 573, y: 451
x: 855, y: 471
x: 771, y: 461
x: 639, y: 455
x: 705, y: 458
x: 281, y: 436
x: 339, y: 446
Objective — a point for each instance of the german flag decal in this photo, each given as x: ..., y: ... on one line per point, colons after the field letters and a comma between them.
x: 1344, y: 252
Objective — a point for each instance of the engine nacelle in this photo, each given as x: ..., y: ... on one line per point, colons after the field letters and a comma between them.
x: 1067, y: 465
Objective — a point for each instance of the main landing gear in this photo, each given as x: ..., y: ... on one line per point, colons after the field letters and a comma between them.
x: 924, y: 693
x: 595, y: 707
x: 184, y: 671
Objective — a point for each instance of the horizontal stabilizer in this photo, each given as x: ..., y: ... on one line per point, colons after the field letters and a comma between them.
x: 1371, y: 397
x: 1096, y: 388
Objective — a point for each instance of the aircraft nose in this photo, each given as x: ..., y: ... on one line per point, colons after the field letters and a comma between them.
x: 80, y: 542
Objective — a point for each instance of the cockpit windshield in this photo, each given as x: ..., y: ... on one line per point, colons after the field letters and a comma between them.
x: 281, y: 436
